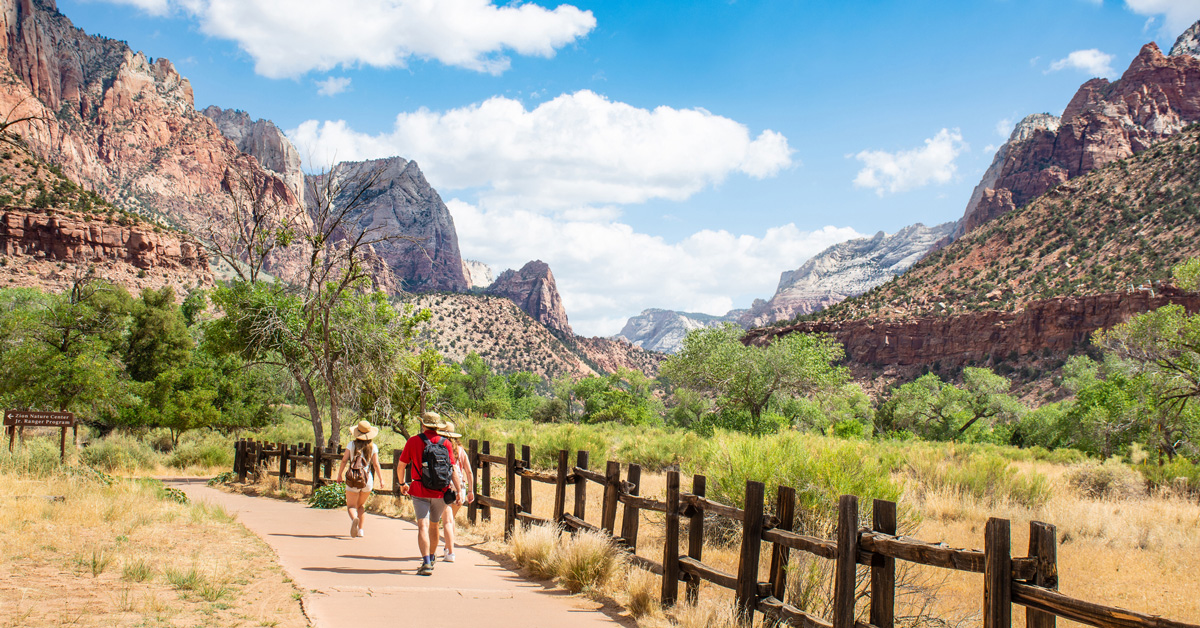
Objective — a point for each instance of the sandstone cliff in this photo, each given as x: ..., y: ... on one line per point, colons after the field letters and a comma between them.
x: 664, y: 330
x: 844, y: 270
x: 1061, y: 325
x: 47, y: 250
x: 399, y: 202
x: 533, y: 290
x: 478, y: 274
x: 1156, y: 97
x: 262, y: 140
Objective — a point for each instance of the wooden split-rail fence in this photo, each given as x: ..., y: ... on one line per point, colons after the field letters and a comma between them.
x: 1030, y: 581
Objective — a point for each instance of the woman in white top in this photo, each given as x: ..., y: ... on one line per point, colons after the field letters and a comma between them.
x: 466, y: 483
x: 361, y: 436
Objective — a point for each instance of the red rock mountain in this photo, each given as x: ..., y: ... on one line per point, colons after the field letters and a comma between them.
x: 1059, y: 325
x: 115, y: 121
x: 533, y: 290
x: 1156, y: 97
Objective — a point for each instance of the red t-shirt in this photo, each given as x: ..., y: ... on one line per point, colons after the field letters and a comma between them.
x: 414, y: 451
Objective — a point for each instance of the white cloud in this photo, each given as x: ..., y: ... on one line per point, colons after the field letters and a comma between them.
x: 287, y: 38
x: 1177, y: 15
x: 1090, y: 61
x: 1004, y: 127
x: 606, y: 271
x: 333, y: 85
x: 908, y: 169
x: 153, y: 7
x: 575, y: 150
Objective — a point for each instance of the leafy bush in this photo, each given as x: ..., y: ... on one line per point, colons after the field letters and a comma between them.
x: 1111, y: 480
x: 119, y: 452
x: 223, y: 477
x: 329, y: 496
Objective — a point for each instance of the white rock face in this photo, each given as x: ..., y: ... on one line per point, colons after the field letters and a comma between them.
x: 845, y: 270
x: 479, y: 275
x: 664, y: 330
x: 1188, y: 43
x: 262, y: 139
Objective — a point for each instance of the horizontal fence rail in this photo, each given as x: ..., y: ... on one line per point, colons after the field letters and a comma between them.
x: 1030, y: 581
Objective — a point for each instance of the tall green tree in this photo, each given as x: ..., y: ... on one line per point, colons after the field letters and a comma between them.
x: 747, y: 377
x: 937, y: 410
x: 158, y: 335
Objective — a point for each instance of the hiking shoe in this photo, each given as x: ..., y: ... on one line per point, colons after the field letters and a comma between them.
x: 426, y: 569
x: 448, y: 557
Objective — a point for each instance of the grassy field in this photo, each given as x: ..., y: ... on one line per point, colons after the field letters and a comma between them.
x: 85, y: 548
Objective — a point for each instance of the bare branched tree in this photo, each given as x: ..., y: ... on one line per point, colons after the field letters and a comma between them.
x: 263, y: 218
x: 322, y: 321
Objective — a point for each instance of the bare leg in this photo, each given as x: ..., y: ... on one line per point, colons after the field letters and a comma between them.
x: 423, y: 537
x: 448, y: 523
x: 362, y: 509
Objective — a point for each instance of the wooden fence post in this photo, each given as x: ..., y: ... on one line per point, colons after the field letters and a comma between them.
x: 560, y: 487
x: 526, y: 483
x: 293, y: 451
x: 1043, y: 545
x: 785, y: 510
x: 239, y: 460
x: 581, y: 461
x: 318, y: 452
x: 510, y: 490
x: 845, y: 567
x: 752, y: 527
x: 696, y: 537
x: 630, y: 519
x: 997, y: 574
x: 486, y: 482
x: 612, y: 485
x: 473, y: 465
x: 283, y: 466
x: 883, y: 568
x: 670, y: 583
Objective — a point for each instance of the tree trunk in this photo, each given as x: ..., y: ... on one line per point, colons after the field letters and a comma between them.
x: 314, y: 411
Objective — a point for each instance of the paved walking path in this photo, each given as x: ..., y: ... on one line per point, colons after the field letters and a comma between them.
x: 371, y: 581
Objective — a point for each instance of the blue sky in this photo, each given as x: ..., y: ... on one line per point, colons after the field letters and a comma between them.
x: 655, y: 154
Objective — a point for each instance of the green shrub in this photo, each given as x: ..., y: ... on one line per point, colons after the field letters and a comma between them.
x: 202, y: 454
x: 119, y: 452
x: 223, y: 477
x: 329, y: 496
x: 1179, y: 475
x: 38, y: 458
x: 977, y: 473
x: 820, y: 469
x: 1111, y: 480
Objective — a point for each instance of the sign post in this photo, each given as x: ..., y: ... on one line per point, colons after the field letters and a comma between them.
x: 27, y: 418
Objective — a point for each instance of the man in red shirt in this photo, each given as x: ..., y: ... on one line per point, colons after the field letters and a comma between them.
x: 429, y: 503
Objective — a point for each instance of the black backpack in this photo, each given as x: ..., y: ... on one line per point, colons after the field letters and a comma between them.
x: 436, y: 470
x: 356, y: 476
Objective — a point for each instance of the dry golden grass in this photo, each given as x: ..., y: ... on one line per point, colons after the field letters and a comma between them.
x: 120, y: 556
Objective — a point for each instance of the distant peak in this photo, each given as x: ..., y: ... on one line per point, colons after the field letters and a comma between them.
x: 1188, y: 43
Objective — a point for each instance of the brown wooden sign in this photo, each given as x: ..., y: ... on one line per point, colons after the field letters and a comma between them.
x: 27, y: 418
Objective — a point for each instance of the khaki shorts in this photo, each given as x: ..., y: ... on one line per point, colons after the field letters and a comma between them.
x: 429, y: 508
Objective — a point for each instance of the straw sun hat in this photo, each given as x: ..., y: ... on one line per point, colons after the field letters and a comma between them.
x: 448, y: 430
x: 432, y: 420
x: 364, y: 431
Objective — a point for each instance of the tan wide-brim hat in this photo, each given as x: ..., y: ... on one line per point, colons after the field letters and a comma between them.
x: 448, y: 430
x: 432, y: 420
x: 364, y: 431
